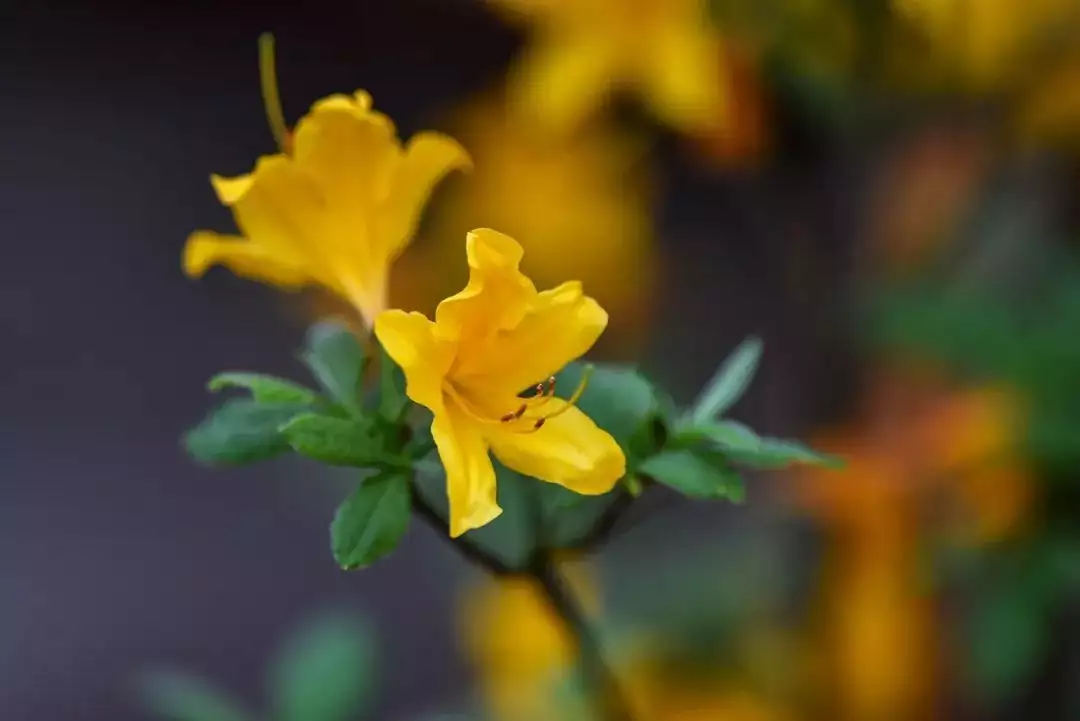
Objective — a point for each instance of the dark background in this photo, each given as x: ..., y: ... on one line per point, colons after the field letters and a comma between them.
x: 115, y: 549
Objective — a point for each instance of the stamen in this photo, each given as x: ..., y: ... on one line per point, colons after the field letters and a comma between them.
x: 275, y: 116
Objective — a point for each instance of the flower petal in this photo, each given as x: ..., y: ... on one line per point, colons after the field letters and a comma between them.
x: 244, y: 258
x: 470, y: 476
x: 414, y: 343
x: 569, y: 450
x: 682, y: 78
x: 428, y: 158
x: 497, y: 295
x: 560, y: 326
x: 561, y: 81
x: 350, y: 152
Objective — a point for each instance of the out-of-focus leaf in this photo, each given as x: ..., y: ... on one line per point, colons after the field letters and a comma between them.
x: 336, y: 441
x: 263, y: 388
x: 729, y: 383
x: 696, y: 473
x: 242, y: 431
x: 324, y: 673
x: 372, y: 521
x: 179, y: 696
x: 336, y: 359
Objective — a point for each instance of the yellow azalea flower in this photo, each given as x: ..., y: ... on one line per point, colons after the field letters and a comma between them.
x: 335, y: 210
x: 486, y: 345
x: 601, y: 234
x: 583, y: 49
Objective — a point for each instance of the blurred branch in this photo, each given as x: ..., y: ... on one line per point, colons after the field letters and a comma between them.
x: 467, y: 548
x: 610, y: 703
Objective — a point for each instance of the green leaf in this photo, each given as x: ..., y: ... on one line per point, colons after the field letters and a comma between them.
x: 336, y: 359
x: 325, y: 672
x: 178, y: 696
x: 696, y: 473
x: 332, y: 440
x: 264, y: 388
x: 743, y: 446
x: 775, y: 453
x: 730, y: 382
x: 1009, y: 634
x: 372, y: 521
x: 242, y: 431
x: 392, y: 398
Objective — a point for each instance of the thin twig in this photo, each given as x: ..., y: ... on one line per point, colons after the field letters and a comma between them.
x: 610, y: 703
x: 466, y: 547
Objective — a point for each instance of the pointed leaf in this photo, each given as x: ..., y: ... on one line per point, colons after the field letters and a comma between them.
x: 730, y: 382
x: 242, y: 431
x: 336, y: 359
x: 325, y: 672
x: 696, y: 473
x: 332, y: 440
x: 264, y: 388
x: 774, y: 453
x: 372, y: 521
x: 178, y: 696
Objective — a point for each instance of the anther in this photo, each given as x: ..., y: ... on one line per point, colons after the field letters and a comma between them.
x: 539, y: 424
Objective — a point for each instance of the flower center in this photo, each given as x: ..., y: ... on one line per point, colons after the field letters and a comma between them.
x: 528, y: 417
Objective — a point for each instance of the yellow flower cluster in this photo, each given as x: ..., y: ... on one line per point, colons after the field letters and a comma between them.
x: 334, y: 209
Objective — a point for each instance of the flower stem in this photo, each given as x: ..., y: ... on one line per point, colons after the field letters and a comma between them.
x: 610, y: 703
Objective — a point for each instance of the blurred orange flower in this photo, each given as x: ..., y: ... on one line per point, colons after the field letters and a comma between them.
x: 582, y: 50
x: 919, y: 439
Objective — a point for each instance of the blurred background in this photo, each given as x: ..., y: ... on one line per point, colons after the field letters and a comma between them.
x: 886, y: 191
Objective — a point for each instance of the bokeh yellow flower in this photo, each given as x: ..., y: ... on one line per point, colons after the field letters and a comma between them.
x: 581, y: 207
x: 524, y: 657
x: 521, y: 648
x: 335, y: 210
x: 582, y: 50
x: 985, y: 44
x: 486, y: 345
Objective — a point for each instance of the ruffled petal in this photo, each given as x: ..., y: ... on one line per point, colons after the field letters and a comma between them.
x: 560, y: 326
x: 497, y: 295
x: 569, y: 450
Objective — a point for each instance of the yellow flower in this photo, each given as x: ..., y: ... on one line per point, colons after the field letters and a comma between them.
x: 601, y: 234
x: 487, y: 344
x: 519, y: 645
x: 583, y: 49
x: 335, y: 210
x: 987, y: 43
